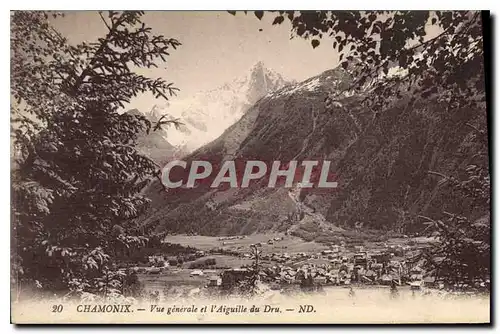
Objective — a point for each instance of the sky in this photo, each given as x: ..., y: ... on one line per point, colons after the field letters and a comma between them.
x: 217, y: 47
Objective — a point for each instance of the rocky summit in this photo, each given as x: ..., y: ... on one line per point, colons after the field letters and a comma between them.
x: 384, y: 164
x: 207, y: 114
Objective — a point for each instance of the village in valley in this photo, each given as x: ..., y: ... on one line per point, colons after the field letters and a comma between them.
x: 284, y: 263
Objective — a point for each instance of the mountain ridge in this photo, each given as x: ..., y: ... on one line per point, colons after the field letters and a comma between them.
x: 381, y: 164
x: 206, y: 114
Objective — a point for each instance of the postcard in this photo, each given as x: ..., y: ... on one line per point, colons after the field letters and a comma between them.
x: 250, y: 167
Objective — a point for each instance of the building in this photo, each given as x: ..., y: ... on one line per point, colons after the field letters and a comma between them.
x: 214, y: 281
x: 196, y: 273
x: 154, y: 270
x: 360, y: 259
x: 430, y: 282
x: 156, y: 258
x: 359, y: 249
x: 417, y: 285
x: 319, y: 280
x: 380, y: 257
x: 370, y: 275
x: 386, y: 279
x: 335, y: 249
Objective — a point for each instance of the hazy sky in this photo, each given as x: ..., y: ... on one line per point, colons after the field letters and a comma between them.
x: 216, y: 47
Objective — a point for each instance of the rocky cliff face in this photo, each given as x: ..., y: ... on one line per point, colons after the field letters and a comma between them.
x: 382, y: 164
x: 207, y: 114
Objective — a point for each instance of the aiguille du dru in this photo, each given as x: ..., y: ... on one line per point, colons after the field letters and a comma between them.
x: 238, y: 174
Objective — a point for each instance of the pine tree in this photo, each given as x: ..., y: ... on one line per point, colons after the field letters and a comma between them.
x: 77, y: 174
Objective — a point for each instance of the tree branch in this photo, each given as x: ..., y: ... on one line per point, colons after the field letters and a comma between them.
x: 438, y: 174
x: 103, y: 20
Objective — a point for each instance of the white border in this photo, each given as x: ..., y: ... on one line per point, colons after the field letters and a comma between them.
x: 255, y: 4
x: 191, y: 5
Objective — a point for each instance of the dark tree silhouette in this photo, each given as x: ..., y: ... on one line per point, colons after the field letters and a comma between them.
x: 77, y: 175
x: 420, y: 57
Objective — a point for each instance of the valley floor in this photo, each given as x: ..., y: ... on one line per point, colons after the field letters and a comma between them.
x: 281, y: 257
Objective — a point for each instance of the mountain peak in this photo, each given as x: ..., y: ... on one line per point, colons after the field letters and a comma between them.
x: 259, y: 65
x: 260, y: 68
x: 262, y: 80
x: 207, y: 114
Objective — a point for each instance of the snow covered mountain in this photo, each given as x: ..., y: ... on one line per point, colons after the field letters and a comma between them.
x: 207, y: 114
x: 154, y: 144
x: 381, y: 164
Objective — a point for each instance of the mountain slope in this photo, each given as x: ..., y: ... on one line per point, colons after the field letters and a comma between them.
x: 381, y: 162
x: 207, y: 114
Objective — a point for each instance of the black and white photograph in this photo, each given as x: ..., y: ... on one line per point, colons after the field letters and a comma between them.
x: 250, y: 167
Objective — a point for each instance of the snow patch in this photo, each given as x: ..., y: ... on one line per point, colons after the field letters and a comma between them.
x: 309, y: 85
x: 206, y: 115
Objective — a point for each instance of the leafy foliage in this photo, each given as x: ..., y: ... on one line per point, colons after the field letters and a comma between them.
x: 394, y: 56
x: 462, y: 255
x: 249, y: 285
x: 463, y: 252
x: 432, y: 51
x: 77, y: 174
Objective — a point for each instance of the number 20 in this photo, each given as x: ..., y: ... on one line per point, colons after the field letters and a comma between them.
x: 57, y: 308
